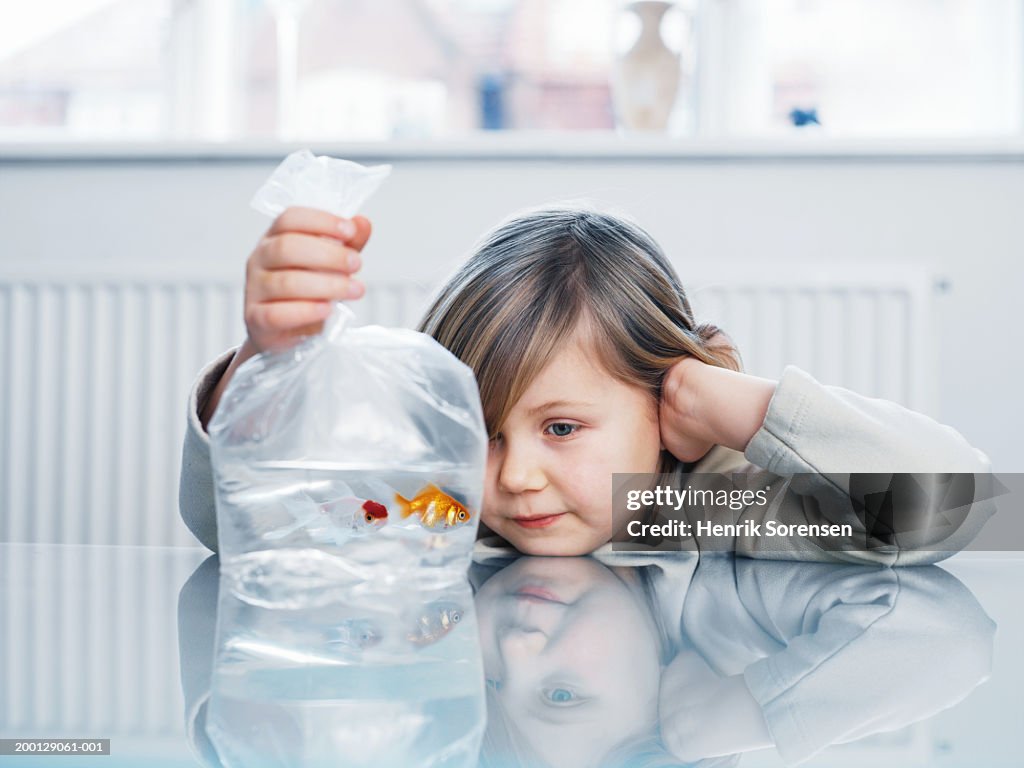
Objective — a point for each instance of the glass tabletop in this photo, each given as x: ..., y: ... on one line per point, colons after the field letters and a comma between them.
x: 630, y: 659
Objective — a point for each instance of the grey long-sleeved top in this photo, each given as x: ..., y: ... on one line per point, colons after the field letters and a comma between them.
x: 808, y: 428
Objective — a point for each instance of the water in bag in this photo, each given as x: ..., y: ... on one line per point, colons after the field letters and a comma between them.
x: 363, y: 446
x: 367, y: 679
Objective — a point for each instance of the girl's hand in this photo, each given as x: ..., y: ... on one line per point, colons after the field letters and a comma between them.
x: 703, y: 405
x: 702, y: 714
x: 304, y: 262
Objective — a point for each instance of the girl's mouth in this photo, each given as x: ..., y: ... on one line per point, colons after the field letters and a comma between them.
x: 537, y: 522
x: 535, y: 592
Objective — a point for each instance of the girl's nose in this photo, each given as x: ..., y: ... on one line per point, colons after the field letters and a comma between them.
x: 519, y: 643
x: 520, y: 471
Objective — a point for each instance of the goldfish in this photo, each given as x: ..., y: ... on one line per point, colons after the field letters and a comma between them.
x: 438, y: 619
x: 356, y: 633
x: 374, y: 513
x: 434, y: 507
x: 355, y: 513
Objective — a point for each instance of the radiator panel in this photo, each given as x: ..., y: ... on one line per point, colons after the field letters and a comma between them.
x: 96, y: 369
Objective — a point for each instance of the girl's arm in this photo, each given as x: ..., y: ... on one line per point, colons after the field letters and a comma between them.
x: 243, y: 353
x: 703, y: 714
x: 799, y: 425
x: 830, y: 654
x: 196, y: 500
x: 703, y: 405
x: 825, y: 438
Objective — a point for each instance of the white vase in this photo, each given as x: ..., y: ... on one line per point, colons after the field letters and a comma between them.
x: 645, y: 79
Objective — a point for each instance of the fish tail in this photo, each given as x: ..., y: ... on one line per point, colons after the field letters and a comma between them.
x: 404, y: 504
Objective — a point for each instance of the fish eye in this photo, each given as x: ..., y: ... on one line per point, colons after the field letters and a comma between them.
x: 369, y: 517
x: 456, y: 616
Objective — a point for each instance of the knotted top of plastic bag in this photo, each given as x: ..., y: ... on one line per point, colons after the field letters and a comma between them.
x: 326, y: 183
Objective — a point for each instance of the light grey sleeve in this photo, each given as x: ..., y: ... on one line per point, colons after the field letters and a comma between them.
x: 811, y: 427
x: 834, y: 441
x: 835, y: 653
x: 195, y: 491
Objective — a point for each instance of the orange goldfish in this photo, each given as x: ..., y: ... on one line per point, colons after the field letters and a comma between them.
x: 438, y: 619
x: 434, y: 507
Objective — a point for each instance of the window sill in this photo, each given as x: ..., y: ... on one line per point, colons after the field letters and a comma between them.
x: 533, y: 146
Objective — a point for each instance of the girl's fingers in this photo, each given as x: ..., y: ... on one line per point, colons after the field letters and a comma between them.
x: 293, y: 284
x: 311, y: 222
x: 283, y: 316
x: 298, y: 251
x: 363, y: 230
x: 355, y: 231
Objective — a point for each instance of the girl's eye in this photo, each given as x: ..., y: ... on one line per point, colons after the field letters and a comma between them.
x: 562, y: 429
x: 560, y: 696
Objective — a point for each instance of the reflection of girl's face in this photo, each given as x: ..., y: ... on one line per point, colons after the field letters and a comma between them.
x: 574, y: 656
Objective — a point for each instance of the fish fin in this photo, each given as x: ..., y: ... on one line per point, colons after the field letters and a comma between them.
x: 404, y: 504
x: 434, y: 489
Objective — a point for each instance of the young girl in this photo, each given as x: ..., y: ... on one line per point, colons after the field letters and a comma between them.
x: 590, y: 362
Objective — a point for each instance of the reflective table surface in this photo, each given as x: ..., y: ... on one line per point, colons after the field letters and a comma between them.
x: 625, y: 660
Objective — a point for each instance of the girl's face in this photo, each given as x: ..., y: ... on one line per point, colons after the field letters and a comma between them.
x: 548, y: 489
x: 573, y: 687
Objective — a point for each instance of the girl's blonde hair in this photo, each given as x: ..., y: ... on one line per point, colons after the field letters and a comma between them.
x: 543, y: 273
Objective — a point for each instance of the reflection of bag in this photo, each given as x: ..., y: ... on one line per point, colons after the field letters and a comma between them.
x: 372, y: 679
x: 364, y: 443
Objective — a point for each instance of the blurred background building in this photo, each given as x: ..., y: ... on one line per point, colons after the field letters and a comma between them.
x: 391, y: 69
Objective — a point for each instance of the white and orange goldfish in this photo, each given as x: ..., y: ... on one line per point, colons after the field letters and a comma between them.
x: 358, y: 514
x: 327, y: 521
x: 357, y: 634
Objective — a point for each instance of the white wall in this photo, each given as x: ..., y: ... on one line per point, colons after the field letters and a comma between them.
x: 956, y: 213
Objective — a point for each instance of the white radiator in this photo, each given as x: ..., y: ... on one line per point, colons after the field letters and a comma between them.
x: 90, y: 647
x: 95, y: 369
x: 869, y: 330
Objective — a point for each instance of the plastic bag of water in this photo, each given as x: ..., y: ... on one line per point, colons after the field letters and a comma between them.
x: 357, y: 454
x: 371, y: 678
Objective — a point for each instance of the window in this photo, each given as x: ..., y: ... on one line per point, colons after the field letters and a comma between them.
x: 385, y: 69
x: 84, y: 69
x: 869, y: 68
